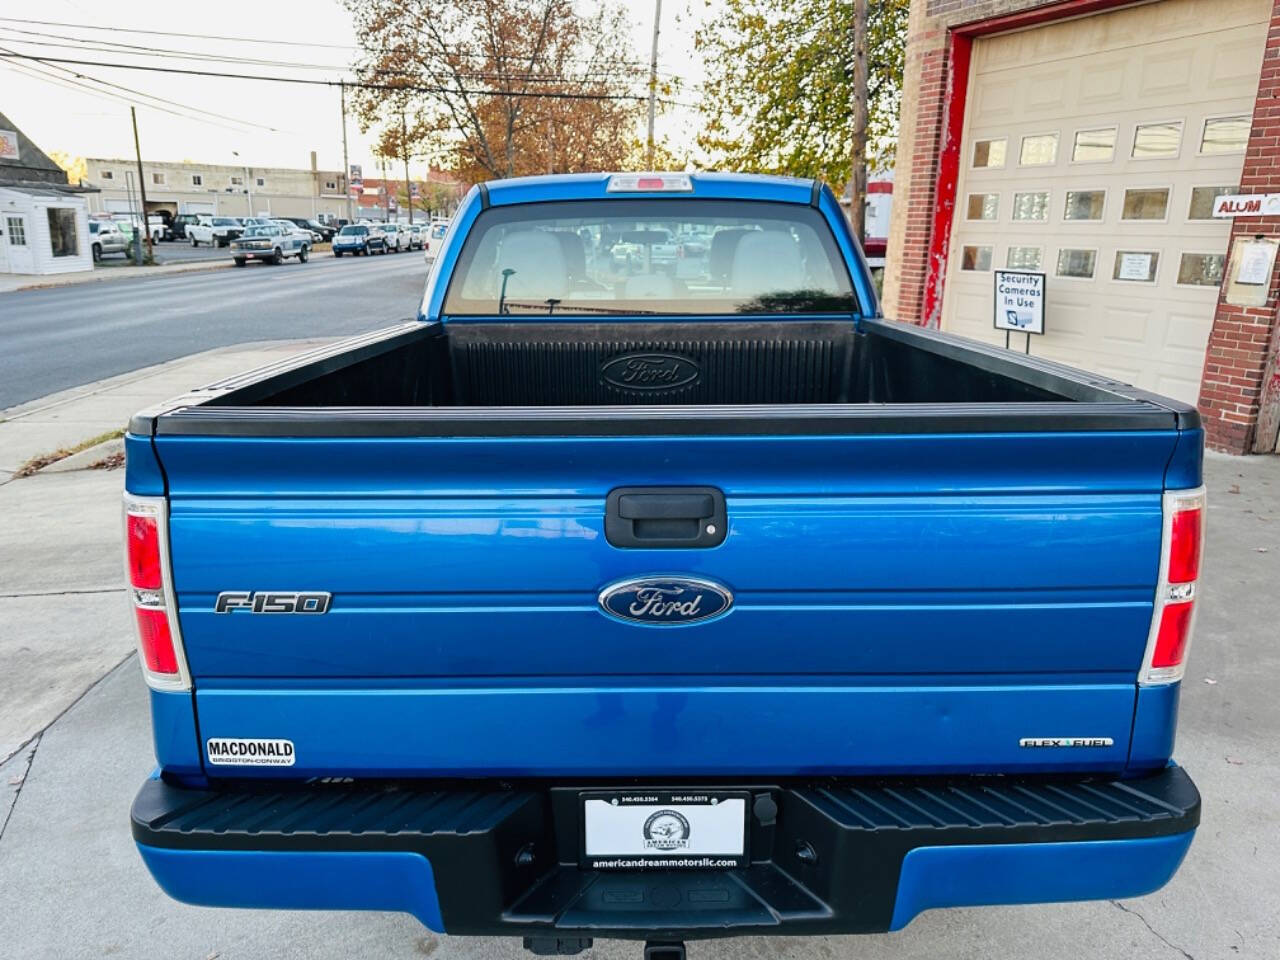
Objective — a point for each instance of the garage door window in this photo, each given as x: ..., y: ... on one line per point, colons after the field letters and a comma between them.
x: 975, y: 258
x: 1201, y: 269
x: 1084, y: 205
x: 1094, y: 146
x: 1039, y: 150
x: 1023, y: 258
x: 1146, y: 204
x: 983, y: 206
x: 989, y: 153
x: 1031, y: 206
x: 1154, y: 140
x: 1225, y: 135
x: 1138, y: 266
x: 1077, y: 263
x: 1201, y: 207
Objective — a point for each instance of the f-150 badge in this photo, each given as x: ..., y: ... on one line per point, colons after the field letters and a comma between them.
x: 272, y: 601
x: 665, y: 601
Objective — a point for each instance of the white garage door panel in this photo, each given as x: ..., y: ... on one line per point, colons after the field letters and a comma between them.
x: 1159, y: 62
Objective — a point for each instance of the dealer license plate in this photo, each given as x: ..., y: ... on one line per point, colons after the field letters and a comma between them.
x: 664, y: 829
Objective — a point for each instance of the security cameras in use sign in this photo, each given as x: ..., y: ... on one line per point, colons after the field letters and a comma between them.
x: 1019, y: 301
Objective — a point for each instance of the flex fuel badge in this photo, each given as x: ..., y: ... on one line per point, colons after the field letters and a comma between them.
x: 250, y: 753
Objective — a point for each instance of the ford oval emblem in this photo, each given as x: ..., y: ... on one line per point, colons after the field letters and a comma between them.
x: 650, y: 372
x: 665, y: 601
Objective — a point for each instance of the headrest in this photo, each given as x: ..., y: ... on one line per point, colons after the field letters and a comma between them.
x: 538, y: 260
x: 766, y: 261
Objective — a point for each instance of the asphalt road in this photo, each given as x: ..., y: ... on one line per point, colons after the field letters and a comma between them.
x: 63, y: 337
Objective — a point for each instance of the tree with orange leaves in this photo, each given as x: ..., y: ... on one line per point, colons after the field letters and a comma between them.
x: 497, y: 88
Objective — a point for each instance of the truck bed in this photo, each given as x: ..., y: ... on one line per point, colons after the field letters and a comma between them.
x: 779, y: 376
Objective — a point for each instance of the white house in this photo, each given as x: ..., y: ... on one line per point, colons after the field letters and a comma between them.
x: 43, y: 231
x: 44, y: 221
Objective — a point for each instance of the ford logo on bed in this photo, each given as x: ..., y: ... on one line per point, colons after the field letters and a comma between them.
x: 665, y: 601
x: 649, y: 372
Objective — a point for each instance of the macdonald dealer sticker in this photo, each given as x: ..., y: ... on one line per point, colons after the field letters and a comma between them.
x: 250, y: 753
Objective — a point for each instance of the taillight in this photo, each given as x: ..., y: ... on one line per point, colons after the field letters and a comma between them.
x: 150, y: 592
x: 1173, y: 618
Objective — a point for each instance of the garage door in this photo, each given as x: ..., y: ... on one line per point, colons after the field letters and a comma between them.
x: 1093, y: 149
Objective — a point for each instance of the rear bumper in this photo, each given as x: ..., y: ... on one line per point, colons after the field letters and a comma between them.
x: 837, y: 857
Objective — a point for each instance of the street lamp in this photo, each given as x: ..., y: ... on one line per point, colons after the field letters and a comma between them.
x: 247, y: 188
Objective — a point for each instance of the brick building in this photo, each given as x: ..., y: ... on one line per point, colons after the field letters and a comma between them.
x: 1089, y: 140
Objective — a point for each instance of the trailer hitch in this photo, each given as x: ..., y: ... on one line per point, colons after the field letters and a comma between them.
x: 664, y: 950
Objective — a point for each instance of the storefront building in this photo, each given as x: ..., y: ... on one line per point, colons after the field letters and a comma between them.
x: 1091, y: 140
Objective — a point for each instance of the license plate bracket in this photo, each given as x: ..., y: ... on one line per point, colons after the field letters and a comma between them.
x: 664, y: 829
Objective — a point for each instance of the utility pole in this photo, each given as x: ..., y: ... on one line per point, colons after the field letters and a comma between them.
x: 346, y: 167
x: 858, y: 173
x: 653, y: 80
x: 404, y: 149
x: 142, y: 187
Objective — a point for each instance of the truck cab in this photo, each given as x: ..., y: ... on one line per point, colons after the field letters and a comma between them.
x: 663, y: 596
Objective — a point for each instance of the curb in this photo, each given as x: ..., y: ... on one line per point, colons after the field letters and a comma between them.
x: 86, y: 458
x: 122, y: 273
x: 85, y: 390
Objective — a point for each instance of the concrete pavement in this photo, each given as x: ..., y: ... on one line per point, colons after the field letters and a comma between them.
x: 71, y: 885
x: 64, y: 620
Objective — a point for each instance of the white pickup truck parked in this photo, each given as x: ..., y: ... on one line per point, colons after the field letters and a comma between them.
x: 215, y: 231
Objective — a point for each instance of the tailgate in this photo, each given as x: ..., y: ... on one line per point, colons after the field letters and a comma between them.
x: 899, y: 603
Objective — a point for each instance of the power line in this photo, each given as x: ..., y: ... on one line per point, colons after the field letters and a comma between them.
x: 149, y: 96
x: 359, y: 84
x: 202, y: 36
x: 169, y: 33
x: 604, y: 74
x: 69, y: 84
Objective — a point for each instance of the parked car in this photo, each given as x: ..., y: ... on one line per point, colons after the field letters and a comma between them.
x: 290, y: 226
x: 271, y: 243
x: 359, y: 238
x: 417, y: 233
x: 178, y: 225
x: 397, y: 239
x: 696, y: 610
x: 128, y: 223
x: 215, y: 231
x: 434, y: 238
x: 107, y: 238
x: 323, y: 232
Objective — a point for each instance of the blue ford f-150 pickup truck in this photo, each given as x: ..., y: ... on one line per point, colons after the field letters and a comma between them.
x: 662, y: 597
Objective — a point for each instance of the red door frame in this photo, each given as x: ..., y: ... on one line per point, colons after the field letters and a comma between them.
x: 959, y: 49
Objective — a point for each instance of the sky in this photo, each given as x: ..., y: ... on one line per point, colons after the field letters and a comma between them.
x: 266, y: 124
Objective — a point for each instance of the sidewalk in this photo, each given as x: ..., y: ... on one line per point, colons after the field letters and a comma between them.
x: 64, y: 621
x: 72, y: 416
x: 12, y: 282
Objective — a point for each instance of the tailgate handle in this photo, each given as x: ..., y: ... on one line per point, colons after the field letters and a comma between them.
x: 665, y: 517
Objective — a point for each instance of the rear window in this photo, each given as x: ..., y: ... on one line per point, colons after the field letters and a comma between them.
x: 354, y: 231
x: 647, y: 256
